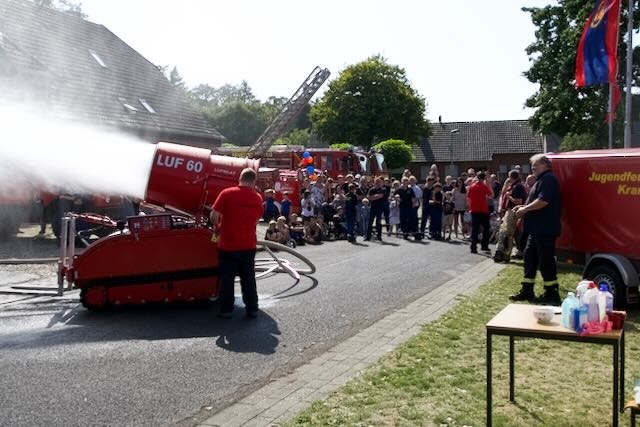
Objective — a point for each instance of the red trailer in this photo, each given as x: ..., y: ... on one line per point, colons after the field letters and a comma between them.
x: 600, y: 228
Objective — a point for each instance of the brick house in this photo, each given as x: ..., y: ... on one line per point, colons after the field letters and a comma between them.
x: 77, y: 70
x: 495, y: 146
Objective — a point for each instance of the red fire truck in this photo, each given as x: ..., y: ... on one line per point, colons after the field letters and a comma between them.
x: 330, y: 160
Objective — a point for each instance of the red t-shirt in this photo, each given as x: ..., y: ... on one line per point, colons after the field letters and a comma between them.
x: 241, y: 208
x: 477, y: 195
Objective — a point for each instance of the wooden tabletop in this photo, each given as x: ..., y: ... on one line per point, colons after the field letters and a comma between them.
x: 519, y: 318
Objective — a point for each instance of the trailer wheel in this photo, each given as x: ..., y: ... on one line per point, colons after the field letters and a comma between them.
x: 604, y: 273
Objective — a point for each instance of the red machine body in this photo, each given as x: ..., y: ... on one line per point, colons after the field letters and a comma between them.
x: 162, y: 257
x: 600, y: 200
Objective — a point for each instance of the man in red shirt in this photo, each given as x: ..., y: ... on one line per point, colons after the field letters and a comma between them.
x: 236, y: 211
x: 478, y: 196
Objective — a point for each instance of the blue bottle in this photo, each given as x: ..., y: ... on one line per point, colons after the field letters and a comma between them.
x: 579, y: 317
x: 609, y: 297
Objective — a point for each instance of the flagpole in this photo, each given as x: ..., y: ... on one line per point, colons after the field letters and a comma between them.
x: 628, y: 96
x: 610, y: 116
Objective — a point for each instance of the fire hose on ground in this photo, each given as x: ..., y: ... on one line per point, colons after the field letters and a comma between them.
x: 264, y: 267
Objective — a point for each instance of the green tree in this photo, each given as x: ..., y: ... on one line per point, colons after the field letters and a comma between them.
x: 240, y: 122
x: 397, y: 153
x: 240, y: 116
x: 341, y: 145
x: 561, y: 108
x: 583, y: 141
x: 369, y: 101
x: 295, y: 137
x: 176, y: 79
x: 209, y: 96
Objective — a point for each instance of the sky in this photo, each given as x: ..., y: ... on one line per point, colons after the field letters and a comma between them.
x: 465, y: 57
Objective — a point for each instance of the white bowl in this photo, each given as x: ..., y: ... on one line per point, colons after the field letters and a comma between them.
x: 543, y: 314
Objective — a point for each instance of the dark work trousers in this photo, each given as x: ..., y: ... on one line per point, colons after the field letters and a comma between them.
x: 426, y: 214
x: 480, y: 219
x: 376, y: 213
x: 539, y: 253
x: 435, y: 226
x: 230, y: 265
x: 522, y: 241
x: 386, y: 215
x: 406, y: 215
x: 351, y: 226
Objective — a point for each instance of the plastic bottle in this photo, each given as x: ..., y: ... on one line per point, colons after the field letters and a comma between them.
x: 609, y: 297
x: 579, y: 317
x: 591, y: 302
x: 569, y: 304
x: 602, y: 303
x: 581, y: 289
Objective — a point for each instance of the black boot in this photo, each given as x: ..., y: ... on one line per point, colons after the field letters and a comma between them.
x: 550, y: 296
x: 525, y: 294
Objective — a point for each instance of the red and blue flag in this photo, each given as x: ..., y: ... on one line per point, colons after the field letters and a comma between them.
x: 597, y: 60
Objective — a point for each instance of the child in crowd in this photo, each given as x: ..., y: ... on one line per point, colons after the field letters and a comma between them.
x: 296, y: 230
x: 448, y: 208
x: 365, y: 214
x: 394, y: 215
x: 339, y: 224
x: 339, y: 200
x: 283, y: 228
x: 285, y: 205
x: 308, y: 206
x: 435, y: 209
x: 313, y: 232
x: 273, y: 234
x: 270, y: 208
x: 324, y: 227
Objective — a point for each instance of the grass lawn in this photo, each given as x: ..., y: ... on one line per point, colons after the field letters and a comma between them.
x: 439, y: 376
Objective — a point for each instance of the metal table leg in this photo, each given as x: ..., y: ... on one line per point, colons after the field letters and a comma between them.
x: 489, y: 375
x: 512, y: 394
x: 616, y: 364
x: 622, y: 372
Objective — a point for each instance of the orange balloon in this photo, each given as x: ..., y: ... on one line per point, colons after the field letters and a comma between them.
x: 310, y: 159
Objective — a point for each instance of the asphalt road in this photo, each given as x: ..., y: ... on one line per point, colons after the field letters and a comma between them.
x: 63, y: 365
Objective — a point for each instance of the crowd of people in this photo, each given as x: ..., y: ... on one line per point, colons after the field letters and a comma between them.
x: 468, y: 207
x: 351, y: 205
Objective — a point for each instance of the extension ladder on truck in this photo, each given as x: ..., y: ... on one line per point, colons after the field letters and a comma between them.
x: 289, y: 112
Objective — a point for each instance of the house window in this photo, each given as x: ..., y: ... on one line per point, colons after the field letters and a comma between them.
x: 127, y: 106
x: 97, y: 58
x: 147, y: 106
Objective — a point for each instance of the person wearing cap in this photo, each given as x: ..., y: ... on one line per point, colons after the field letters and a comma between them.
x: 541, y: 216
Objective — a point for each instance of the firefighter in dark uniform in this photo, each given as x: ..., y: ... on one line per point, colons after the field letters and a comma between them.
x: 541, y: 215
